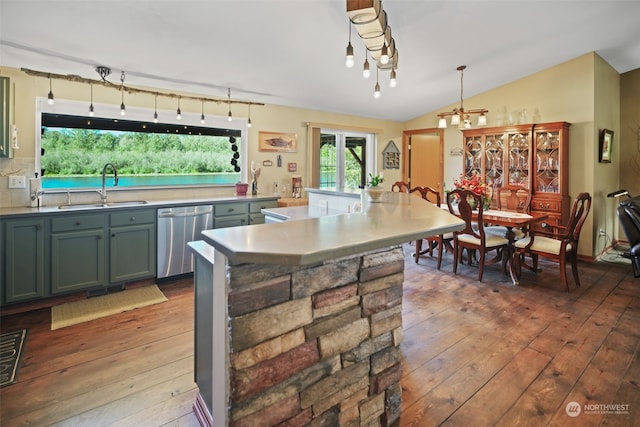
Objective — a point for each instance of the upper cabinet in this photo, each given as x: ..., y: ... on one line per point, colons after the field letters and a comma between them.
x: 534, y: 156
x: 5, y: 146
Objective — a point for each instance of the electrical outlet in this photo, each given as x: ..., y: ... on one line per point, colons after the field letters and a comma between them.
x: 17, y: 182
x: 602, y: 232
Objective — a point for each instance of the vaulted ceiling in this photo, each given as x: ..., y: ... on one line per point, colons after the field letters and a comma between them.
x: 292, y: 52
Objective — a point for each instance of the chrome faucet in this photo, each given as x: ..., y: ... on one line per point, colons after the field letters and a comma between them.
x: 103, y: 193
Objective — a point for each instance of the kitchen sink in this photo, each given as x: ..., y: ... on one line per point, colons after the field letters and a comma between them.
x: 103, y: 205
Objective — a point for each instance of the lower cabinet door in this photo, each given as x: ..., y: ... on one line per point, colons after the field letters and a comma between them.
x: 25, y: 252
x: 77, y: 260
x: 132, y: 253
x: 231, y: 221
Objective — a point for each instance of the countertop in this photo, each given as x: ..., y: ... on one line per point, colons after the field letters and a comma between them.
x: 401, y: 218
x: 27, y: 211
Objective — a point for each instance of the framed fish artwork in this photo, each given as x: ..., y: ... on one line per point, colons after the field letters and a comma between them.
x: 277, y: 141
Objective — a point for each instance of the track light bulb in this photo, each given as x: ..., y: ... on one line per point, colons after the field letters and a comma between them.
x: 384, y: 54
x: 349, y: 62
x: 366, y: 72
x: 392, y: 80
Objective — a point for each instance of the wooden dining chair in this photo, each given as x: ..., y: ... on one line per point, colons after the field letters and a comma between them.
x: 439, y: 241
x: 511, y: 198
x: 473, y: 236
x: 561, y: 244
x: 400, y: 187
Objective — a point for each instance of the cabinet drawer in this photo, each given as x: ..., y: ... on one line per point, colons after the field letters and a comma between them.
x: 132, y: 218
x: 256, y: 207
x: 226, y: 209
x: 231, y: 221
x: 256, y: 218
x: 546, y: 205
x: 77, y: 222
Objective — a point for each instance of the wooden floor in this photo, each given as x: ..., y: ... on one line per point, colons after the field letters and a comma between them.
x: 475, y: 354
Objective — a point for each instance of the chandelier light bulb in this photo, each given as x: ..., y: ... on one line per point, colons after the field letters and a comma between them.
x: 122, y: 109
x: 202, y: 113
x: 482, y: 120
x: 455, y: 119
x: 155, y: 117
x: 155, y: 109
x: 50, y: 95
x: 376, y: 93
x: 178, y: 112
x: 91, y: 113
x: 442, y: 123
x: 91, y: 102
x: 249, y: 117
x: 392, y: 80
x: 229, y: 117
x: 366, y: 72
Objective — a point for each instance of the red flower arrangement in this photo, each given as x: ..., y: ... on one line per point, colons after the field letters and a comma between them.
x: 475, y: 184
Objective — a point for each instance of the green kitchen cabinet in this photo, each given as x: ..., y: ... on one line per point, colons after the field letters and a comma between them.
x: 24, y: 267
x: 230, y: 214
x: 77, y: 253
x: 255, y: 210
x: 132, y: 245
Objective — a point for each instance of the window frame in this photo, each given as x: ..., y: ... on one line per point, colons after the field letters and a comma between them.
x: 109, y: 111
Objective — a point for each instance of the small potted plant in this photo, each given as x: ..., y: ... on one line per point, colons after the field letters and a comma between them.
x: 241, y: 188
x: 374, y: 188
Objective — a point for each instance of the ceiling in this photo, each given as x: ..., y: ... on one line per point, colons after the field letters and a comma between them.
x: 292, y: 52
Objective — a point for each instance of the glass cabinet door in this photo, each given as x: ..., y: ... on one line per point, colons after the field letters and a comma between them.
x: 519, y: 159
x: 494, y: 160
x: 473, y: 155
x: 547, y: 161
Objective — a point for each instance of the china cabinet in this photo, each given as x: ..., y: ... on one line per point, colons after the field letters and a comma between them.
x: 534, y: 156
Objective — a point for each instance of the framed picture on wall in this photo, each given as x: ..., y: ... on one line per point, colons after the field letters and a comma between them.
x: 277, y: 141
x: 606, y: 142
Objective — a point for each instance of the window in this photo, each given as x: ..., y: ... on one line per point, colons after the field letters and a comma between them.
x: 74, y: 147
x: 343, y: 159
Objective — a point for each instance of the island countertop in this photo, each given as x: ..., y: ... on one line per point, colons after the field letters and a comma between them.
x: 400, y: 218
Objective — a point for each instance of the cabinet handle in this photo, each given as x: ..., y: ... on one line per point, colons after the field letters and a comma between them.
x: 99, y: 237
x: 78, y: 222
x: 230, y: 210
x: 113, y: 234
x: 38, y: 227
x: 133, y: 218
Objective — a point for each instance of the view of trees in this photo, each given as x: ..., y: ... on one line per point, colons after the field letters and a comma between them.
x: 79, y: 152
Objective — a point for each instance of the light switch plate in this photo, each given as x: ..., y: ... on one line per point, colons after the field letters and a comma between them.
x: 17, y: 182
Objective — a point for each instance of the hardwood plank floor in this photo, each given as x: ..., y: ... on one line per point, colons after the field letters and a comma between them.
x: 474, y: 354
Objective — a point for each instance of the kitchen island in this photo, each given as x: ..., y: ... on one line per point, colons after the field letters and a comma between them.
x: 301, y: 321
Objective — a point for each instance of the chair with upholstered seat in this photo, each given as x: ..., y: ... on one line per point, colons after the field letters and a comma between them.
x: 560, y: 245
x: 472, y: 238
x: 439, y: 241
x: 511, y: 198
x: 400, y: 186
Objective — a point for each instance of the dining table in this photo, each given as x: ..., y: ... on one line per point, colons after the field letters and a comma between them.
x: 509, y: 220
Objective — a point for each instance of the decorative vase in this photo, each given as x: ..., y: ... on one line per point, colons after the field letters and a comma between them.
x: 375, y: 194
x: 254, y: 187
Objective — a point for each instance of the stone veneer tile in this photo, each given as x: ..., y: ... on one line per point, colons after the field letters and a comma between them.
x: 248, y: 382
x: 253, y: 328
x: 334, y: 296
x: 330, y: 385
x: 367, y: 348
x: 380, y: 283
x: 372, y: 408
x: 381, y: 300
x: 326, y: 325
x: 393, y: 404
x: 371, y: 273
x: 241, y: 274
x: 259, y: 295
x: 340, y: 394
x: 336, y: 308
x: 267, y: 350
x: 386, y: 378
x: 331, y: 275
x: 386, y: 321
x: 289, y: 387
x: 384, y: 359
x: 302, y: 419
x: 345, y: 338
x: 278, y: 412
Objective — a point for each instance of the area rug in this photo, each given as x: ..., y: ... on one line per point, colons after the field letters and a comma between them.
x: 72, y: 313
x: 11, y: 346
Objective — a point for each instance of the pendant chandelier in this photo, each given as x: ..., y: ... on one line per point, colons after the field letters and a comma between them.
x: 459, y: 116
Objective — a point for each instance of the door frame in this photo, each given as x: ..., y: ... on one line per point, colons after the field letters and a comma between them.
x: 406, y: 165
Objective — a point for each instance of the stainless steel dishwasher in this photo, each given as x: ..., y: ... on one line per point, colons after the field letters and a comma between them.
x: 176, y: 227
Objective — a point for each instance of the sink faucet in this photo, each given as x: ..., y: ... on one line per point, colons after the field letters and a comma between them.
x: 103, y: 193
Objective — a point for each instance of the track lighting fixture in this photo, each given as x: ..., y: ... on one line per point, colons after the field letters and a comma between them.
x: 122, y: 112
x: 178, y: 112
x: 376, y: 92
x: 202, y: 113
x: 91, y: 103
x: 460, y: 117
x: 349, y: 60
x: 230, y: 117
x: 155, y: 109
x: 249, y: 121
x: 366, y: 71
x: 50, y: 95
